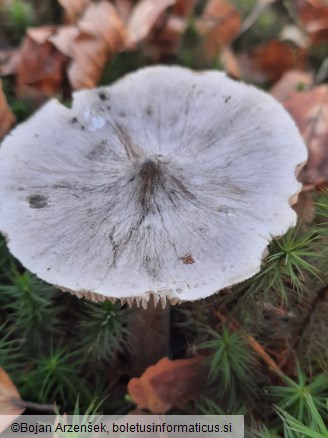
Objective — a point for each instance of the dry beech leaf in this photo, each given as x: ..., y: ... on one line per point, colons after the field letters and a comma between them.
x: 314, y: 15
x: 64, y: 38
x: 41, y: 66
x: 166, y: 42
x: 7, y: 119
x: 230, y: 63
x: 144, y: 17
x: 73, y: 9
x: 310, y: 112
x: 304, y: 207
x: 290, y: 82
x: 101, y: 34
x: 269, y: 61
x: 123, y: 8
x: 168, y: 383
x: 183, y: 8
x: 9, y: 401
x: 219, y: 25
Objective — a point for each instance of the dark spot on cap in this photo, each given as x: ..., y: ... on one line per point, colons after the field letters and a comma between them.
x: 48, y: 269
x: 148, y: 111
x: 187, y: 259
x: 74, y: 120
x: 226, y: 99
x: 122, y: 114
x: 150, y: 175
x: 38, y: 201
x: 102, y: 96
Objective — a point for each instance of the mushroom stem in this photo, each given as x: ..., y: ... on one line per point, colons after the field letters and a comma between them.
x: 148, y: 339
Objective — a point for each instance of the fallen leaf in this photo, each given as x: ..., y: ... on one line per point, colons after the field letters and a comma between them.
x: 304, y: 206
x: 10, y: 401
x: 7, y: 119
x: 123, y: 8
x: 64, y: 38
x: 41, y: 65
x: 291, y: 81
x: 310, y: 112
x: 101, y: 35
x: 144, y: 17
x: 73, y: 9
x: 269, y: 61
x: 219, y: 25
x: 183, y: 8
x: 98, y: 35
x: 165, y: 42
x: 168, y: 383
x: 230, y: 63
x: 314, y: 16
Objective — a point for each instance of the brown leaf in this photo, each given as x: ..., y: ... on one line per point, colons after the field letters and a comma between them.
x: 73, y: 9
x: 10, y: 401
x: 314, y: 15
x: 183, y: 8
x: 165, y: 42
x: 144, y: 17
x: 41, y: 66
x: 269, y: 61
x: 304, y: 206
x: 230, y: 63
x: 291, y: 81
x: 123, y: 8
x: 7, y: 119
x: 310, y: 112
x: 101, y: 35
x: 168, y: 383
x: 219, y: 25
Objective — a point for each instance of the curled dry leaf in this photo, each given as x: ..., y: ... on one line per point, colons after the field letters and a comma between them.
x: 219, y: 25
x: 304, y: 206
x: 314, y: 16
x: 269, y: 61
x: 10, y: 401
x: 310, y: 112
x: 230, y: 63
x: 168, y: 384
x: 101, y: 34
x: 183, y: 8
x: 41, y: 66
x: 123, y: 8
x: 144, y: 17
x: 73, y: 9
x: 7, y: 118
x: 166, y: 41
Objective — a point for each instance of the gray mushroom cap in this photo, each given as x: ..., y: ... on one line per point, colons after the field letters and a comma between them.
x: 168, y: 182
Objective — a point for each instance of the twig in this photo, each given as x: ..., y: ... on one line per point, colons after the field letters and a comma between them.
x: 259, y: 9
x: 253, y: 344
x: 36, y: 406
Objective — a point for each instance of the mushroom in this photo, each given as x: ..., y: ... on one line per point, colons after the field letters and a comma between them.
x: 168, y: 183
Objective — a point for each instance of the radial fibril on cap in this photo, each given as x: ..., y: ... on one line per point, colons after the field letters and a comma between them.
x: 168, y: 182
